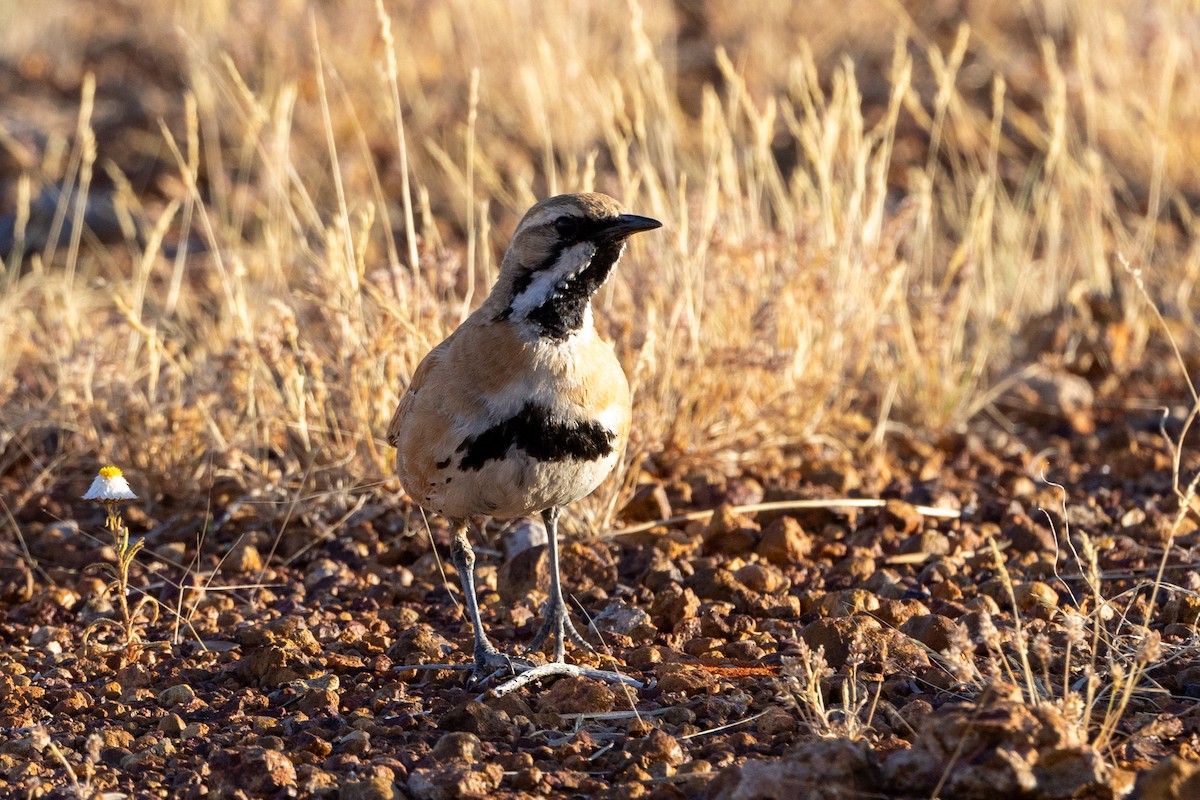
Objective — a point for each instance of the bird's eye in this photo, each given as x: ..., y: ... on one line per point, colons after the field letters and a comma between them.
x: 566, y: 227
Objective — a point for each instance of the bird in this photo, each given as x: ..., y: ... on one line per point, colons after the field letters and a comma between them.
x: 523, y: 409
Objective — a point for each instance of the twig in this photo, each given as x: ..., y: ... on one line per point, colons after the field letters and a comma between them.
x: 528, y: 675
x: 555, y: 668
x: 724, y: 727
x: 613, y: 716
x: 405, y: 667
x: 786, y: 505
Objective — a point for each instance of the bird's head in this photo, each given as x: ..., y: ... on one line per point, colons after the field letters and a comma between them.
x: 562, y: 252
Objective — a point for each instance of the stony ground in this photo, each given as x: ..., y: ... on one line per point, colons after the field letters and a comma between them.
x: 298, y: 671
x: 984, y: 634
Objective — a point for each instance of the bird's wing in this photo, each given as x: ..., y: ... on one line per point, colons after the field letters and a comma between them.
x: 428, y: 365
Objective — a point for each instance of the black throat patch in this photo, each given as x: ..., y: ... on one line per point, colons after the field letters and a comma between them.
x: 539, y: 434
x: 563, y: 312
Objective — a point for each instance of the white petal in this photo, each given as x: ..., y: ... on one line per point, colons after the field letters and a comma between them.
x: 105, y: 489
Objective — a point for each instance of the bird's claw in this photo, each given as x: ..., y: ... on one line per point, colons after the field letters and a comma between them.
x: 558, y: 622
x: 490, y: 663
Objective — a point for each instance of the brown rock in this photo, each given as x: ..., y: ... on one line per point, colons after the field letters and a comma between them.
x: 319, y: 702
x: 933, y: 543
x: 661, y: 571
x: 193, y: 730
x: 932, y: 630
x: 762, y: 578
x: 588, y: 564
x: 74, y: 702
x: 838, y: 634
x: 578, y: 696
x: 263, y: 725
x: 1040, y: 391
x: 776, y: 606
x: 648, y: 504
x: 16, y: 583
x: 625, y: 619
x: 719, y: 620
x: 718, y: 584
x: 278, y: 654
x: 1033, y: 594
x: 658, y: 748
x: 446, y: 782
x: 255, y: 770
x: 743, y: 491
x: 1061, y: 772
x: 784, y: 542
x: 1028, y: 536
x: 306, y: 741
x: 700, y: 645
x: 715, y: 583
x: 528, y: 779
x: 116, y: 737
x: 678, y: 677
x: 915, y: 770
x: 847, y: 602
x: 458, y: 746
x: 377, y: 786
x: 835, y: 634
x: 325, y: 571
x: 742, y: 650
x: 887, y: 583
x: 903, y: 517
x: 243, y: 559
x: 523, y: 573
x: 356, y: 743
x: 478, y: 719
x: 180, y: 694
x: 1182, y: 608
x: 311, y: 781
x: 855, y: 567
x: 672, y: 604
x: 729, y: 534
x: 1173, y: 778
x: 897, y: 612
x: 824, y: 769
x: 420, y: 645
x: 172, y: 724
x: 775, y: 721
x: 583, y: 566
x: 271, y: 667
x: 1015, y: 749
x: 700, y: 771
x: 647, y: 656
x: 946, y: 591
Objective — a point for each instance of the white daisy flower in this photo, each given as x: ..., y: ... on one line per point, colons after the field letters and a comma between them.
x: 109, y: 486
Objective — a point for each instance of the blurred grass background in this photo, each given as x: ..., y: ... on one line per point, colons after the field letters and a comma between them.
x: 876, y: 212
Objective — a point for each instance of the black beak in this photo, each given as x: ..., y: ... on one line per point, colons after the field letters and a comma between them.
x: 627, y: 225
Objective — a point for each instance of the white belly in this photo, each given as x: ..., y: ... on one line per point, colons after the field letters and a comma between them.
x: 518, y: 485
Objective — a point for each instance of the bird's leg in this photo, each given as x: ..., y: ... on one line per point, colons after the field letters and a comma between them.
x: 488, y: 659
x: 558, y: 620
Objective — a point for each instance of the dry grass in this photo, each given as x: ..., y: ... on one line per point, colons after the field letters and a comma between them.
x: 848, y: 242
x: 871, y: 208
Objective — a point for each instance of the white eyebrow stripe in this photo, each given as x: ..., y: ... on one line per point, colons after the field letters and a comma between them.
x: 542, y: 217
x: 570, y: 262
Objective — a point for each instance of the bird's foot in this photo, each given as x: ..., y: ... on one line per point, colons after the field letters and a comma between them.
x: 491, y: 663
x: 558, y: 622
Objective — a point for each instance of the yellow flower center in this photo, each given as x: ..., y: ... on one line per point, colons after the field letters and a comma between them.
x: 108, y: 473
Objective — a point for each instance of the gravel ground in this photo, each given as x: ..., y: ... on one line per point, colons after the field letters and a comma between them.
x: 823, y: 652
